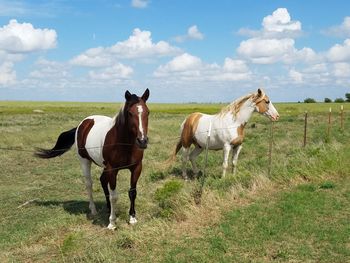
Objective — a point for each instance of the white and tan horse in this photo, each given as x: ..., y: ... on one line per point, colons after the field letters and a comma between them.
x: 226, y: 129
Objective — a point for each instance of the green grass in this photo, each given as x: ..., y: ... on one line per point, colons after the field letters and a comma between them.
x: 44, y: 209
x: 306, y: 223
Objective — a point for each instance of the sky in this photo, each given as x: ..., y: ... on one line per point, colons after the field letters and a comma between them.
x: 183, y: 51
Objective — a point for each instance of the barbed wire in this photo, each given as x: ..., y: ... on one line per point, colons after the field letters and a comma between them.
x: 109, y: 145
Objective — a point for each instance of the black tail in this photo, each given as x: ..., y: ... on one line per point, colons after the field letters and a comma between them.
x: 63, y: 144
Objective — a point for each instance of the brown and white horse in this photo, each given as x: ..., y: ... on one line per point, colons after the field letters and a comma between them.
x: 112, y: 143
x: 225, y: 129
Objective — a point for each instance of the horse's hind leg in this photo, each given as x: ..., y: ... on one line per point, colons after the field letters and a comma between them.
x: 185, y: 153
x: 104, y: 184
x: 86, y: 167
x: 235, y: 152
x: 193, y: 156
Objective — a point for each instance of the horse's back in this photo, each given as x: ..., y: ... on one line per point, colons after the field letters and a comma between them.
x: 91, y: 134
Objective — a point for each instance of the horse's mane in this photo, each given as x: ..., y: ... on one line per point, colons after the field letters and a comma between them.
x: 236, y: 105
x: 119, y: 118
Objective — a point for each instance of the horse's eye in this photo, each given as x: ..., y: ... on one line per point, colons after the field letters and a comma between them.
x: 267, y: 102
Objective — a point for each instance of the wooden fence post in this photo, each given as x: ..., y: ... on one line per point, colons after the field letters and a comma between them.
x: 329, y: 122
x: 342, y: 117
x: 206, y: 152
x: 305, y: 129
x: 198, y: 195
x: 270, y: 150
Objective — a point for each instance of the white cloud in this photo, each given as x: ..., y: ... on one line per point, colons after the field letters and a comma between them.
x: 231, y: 65
x: 18, y: 39
x: 296, y: 76
x: 280, y: 21
x: 265, y: 51
x: 22, y: 38
x: 13, y: 8
x: 46, y: 69
x: 140, y: 45
x: 188, y: 67
x: 274, y: 42
x: 277, y: 25
x: 115, y: 72
x: 342, y: 30
x: 94, y: 57
x: 182, y: 63
x: 193, y: 33
x: 339, y: 53
x: 139, y: 3
x: 317, y: 68
x: 341, y: 70
x: 7, y: 74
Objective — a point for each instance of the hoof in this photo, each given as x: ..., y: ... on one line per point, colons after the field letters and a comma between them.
x: 93, y: 212
x: 111, y: 226
x: 132, y: 220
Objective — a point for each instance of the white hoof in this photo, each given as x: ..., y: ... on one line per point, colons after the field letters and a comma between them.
x: 111, y: 226
x: 132, y: 220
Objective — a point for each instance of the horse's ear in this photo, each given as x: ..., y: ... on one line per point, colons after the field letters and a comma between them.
x: 145, y: 95
x: 259, y: 93
x: 127, y: 95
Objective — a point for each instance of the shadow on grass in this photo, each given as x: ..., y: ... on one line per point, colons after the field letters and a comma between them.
x: 77, y: 207
x: 177, y: 172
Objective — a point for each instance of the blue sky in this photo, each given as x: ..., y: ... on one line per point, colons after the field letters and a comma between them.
x: 183, y: 51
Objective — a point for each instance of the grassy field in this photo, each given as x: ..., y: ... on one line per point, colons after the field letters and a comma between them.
x: 300, y: 212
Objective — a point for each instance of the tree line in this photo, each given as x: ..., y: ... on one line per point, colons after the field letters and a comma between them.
x: 328, y: 100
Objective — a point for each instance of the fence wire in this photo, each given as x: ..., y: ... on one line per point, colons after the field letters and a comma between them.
x: 317, y: 127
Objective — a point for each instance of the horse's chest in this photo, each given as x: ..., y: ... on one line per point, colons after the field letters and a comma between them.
x: 121, y: 157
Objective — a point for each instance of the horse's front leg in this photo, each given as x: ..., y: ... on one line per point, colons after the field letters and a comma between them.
x: 226, y: 149
x: 235, y: 152
x: 135, y: 174
x: 112, y: 189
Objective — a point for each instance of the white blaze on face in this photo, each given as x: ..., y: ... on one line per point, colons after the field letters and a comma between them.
x: 272, y: 111
x: 140, y: 111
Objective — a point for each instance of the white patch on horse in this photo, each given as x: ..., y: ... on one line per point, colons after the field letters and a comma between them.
x: 140, y: 111
x: 96, y: 137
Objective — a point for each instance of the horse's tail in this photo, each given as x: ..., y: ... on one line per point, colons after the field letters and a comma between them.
x: 63, y: 144
x: 188, y: 128
x: 172, y: 158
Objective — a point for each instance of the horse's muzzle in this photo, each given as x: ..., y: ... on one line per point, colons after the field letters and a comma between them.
x: 142, y: 143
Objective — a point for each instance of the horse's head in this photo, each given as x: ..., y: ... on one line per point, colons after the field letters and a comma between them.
x: 264, y: 106
x: 137, y: 117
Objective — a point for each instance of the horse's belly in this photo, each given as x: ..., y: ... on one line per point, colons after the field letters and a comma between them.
x: 219, y: 135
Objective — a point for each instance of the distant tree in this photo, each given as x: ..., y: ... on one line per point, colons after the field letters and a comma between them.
x: 309, y: 100
x: 327, y: 100
x: 339, y: 100
x: 347, y: 96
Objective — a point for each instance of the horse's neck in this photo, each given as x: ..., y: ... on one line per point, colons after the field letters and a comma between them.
x: 121, y: 127
x: 244, y: 113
